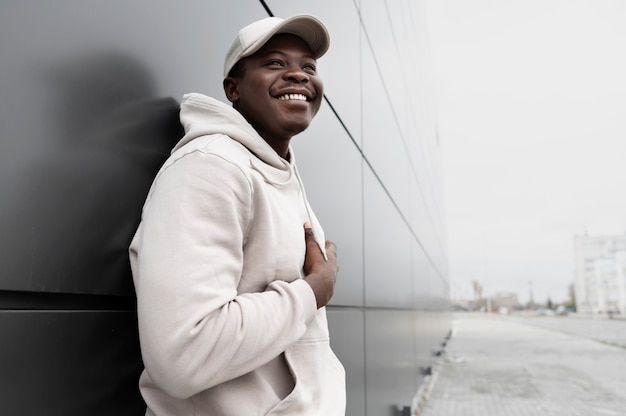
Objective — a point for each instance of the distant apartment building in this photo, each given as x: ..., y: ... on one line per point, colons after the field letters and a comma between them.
x: 600, y: 274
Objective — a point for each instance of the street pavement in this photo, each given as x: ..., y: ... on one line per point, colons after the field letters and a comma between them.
x: 609, y: 331
x: 502, y: 366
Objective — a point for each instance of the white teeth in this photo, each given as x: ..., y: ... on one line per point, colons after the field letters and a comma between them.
x: 300, y: 97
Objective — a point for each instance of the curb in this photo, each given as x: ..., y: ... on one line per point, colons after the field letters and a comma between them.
x: 423, y: 393
x: 421, y: 398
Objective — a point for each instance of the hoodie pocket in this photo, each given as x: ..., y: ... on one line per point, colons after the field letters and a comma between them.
x: 319, y: 381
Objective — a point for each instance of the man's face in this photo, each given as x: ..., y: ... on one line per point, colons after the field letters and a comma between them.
x: 278, y: 90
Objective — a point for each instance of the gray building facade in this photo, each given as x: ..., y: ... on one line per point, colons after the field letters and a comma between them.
x: 89, y: 99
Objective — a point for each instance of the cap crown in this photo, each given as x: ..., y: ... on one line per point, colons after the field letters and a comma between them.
x: 252, y: 37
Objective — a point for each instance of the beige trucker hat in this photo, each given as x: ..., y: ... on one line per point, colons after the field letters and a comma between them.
x: 252, y: 37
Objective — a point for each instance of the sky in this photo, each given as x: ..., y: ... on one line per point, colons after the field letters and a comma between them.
x: 531, y: 100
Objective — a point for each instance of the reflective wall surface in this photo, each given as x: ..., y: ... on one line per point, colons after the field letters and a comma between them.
x: 88, y: 112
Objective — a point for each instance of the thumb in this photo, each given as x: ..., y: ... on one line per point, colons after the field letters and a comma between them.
x: 308, y: 232
x: 309, y: 238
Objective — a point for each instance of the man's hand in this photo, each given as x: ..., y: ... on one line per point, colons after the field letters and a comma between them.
x: 319, y: 273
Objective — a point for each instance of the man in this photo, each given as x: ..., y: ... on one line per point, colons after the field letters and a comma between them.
x: 231, y: 287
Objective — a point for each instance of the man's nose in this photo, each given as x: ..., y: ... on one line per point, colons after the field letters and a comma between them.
x: 296, y: 74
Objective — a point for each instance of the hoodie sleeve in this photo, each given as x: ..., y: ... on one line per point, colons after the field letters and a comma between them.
x: 195, y: 331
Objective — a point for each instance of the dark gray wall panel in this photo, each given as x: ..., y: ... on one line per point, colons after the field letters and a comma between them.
x: 426, y: 345
x: 425, y: 222
x: 347, y: 332
x: 388, y: 280
x: 71, y: 213
x: 384, y: 44
x: 440, y: 293
x: 443, y: 323
x: 421, y: 270
x: 391, y: 369
x: 69, y: 363
x: 382, y: 140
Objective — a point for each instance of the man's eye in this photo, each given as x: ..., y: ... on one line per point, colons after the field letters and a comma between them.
x: 275, y: 63
x: 309, y: 68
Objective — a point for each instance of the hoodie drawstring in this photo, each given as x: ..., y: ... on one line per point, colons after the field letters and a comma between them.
x: 318, y: 234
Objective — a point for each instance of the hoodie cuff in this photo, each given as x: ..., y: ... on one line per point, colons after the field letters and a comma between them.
x: 306, y: 295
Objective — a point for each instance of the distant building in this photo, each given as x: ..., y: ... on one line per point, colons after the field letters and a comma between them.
x: 508, y: 300
x: 600, y: 274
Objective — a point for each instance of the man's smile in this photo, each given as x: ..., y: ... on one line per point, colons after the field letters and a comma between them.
x: 299, y: 97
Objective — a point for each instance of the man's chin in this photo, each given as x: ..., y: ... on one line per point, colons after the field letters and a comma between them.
x: 296, y: 124
x: 297, y: 129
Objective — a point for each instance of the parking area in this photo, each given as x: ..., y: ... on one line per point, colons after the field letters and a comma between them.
x: 498, y: 366
x: 610, y: 331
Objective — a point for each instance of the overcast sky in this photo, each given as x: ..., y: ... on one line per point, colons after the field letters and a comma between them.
x: 532, y: 116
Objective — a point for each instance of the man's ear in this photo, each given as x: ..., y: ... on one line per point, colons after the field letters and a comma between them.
x: 231, y: 88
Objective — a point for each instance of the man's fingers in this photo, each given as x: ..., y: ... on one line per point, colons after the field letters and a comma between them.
x: 331, y: 246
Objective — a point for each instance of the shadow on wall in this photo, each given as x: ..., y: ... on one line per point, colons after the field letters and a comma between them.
x: 69, y: 210
x: 71, y: 214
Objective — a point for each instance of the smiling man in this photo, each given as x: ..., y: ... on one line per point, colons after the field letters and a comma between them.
x: 231, y: 268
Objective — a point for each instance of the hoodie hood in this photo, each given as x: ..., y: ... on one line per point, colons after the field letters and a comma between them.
x: 201, y: 115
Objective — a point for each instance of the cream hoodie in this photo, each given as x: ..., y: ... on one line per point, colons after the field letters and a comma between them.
x: 227, y: 325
